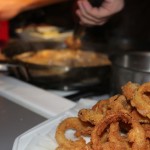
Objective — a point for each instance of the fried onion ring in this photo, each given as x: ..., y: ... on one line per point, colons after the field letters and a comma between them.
x: 70, y: 123
x: 89, y: 115
x: 137, y: 135
x: 129, y: 89
x: 147, y: 130
x: 140, y: 118
x: 100, y: 128
x: 141, y: 100
x: 116, y: 139
x: 101, y: 106
x: 121, y: 122
x: 119, y: 103
x: 95, y: 114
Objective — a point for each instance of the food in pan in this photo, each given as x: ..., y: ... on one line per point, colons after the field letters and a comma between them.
x: 121, y: 122
x: 141, y: 100
x: 65, y: 57
x: 73, y: 43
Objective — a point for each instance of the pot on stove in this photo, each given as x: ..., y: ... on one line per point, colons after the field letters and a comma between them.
x: 131, y: 66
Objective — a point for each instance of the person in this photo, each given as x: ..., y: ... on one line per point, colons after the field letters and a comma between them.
x: 89, y: 16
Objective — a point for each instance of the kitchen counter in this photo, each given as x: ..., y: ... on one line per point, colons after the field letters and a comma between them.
x: 15, y: 120
x: 33, y: 98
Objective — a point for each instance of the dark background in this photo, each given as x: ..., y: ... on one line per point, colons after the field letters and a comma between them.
x: 126, y: 30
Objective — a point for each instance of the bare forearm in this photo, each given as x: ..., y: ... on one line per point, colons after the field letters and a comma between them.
x: 31, y: 4
x: 11, y: 8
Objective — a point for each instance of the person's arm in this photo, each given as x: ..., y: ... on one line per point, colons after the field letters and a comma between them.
x: 30, y: 4
x: 90, y: 16
x: 10, y: 8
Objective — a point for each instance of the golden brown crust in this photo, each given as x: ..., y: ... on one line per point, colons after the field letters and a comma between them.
x: 119, y: 123
x: 141, y: 100
x: 128, y: 90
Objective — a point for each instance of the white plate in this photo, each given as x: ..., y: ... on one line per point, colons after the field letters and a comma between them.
x: 42, y: 137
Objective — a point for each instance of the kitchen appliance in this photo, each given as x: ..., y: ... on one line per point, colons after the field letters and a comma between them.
x: 131, y: 66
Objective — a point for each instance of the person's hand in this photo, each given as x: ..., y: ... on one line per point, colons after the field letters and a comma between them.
x: 91, y: 16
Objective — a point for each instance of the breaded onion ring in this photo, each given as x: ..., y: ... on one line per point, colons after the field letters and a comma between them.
x: 117, y: 140
x: 119, y: 103
x: 101, y: 106
x: 89, y: 115
x: 128, y: 90
x: 147, y: 130
x: 141, y: 100
x: 140, y: 118
x: 137, y: 135
x: 70, y: 123
x: 95, y: 114
x: 148, y: 144
x: 101, y: 127
x: 121, y: 122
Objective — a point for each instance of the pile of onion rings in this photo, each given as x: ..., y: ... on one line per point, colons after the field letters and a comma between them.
x: 121, y: 122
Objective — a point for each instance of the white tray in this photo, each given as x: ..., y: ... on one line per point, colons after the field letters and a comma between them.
x: 42, y: 136
x: 33, y: 98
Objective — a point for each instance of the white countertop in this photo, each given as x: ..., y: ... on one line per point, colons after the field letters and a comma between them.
x: 33, y: 98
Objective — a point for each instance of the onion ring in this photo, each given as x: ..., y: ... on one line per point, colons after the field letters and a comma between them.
x: 101, y: 106
x: 140, y: 118
x: 95, y: 114
x: 100, y: 128
x: 128, y: 90
x: 147, y: 130
x: 70, y: 123
x: 137, y: 135
x: 119, y: 103
x: 121, y: 122
x: 141, y: 100
x: 117, y: 140
x: 89, y: 115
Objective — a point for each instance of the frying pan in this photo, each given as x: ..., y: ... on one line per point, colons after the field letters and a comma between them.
x: 53, y: 77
